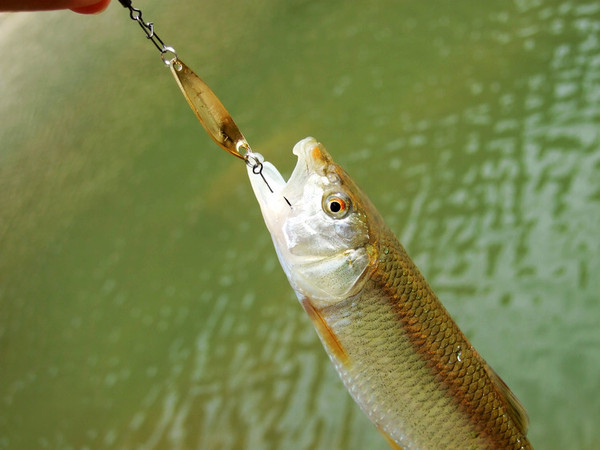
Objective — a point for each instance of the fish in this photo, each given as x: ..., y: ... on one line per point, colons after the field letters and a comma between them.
x: 400, y: 355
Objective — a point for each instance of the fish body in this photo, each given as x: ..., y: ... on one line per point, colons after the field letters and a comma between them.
x: 397, y: 350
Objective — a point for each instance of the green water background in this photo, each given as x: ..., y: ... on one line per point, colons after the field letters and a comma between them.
x: 141, y: 302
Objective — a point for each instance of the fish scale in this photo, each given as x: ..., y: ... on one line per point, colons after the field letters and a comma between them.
x: 407, y: 339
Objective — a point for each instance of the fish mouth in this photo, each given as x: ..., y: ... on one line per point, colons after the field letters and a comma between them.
x: 275, y: 195
x: 322, y: 259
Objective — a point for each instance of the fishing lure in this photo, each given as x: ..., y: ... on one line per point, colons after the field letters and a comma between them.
x: 206, y: 105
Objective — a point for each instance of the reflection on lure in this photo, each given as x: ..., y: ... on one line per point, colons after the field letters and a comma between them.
x: 209, y: 110
x: 398, y: 351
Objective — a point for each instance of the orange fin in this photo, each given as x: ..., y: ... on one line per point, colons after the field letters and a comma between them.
x: 329, y: 338
x: 392, y: 443
x: 515, y: 408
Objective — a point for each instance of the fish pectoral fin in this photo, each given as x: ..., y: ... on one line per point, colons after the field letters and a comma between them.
x: 392, y: 443
x: 515, y: 408
x: 330, y: 340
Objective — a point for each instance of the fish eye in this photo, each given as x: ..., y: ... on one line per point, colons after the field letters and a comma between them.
x: 336, y: 205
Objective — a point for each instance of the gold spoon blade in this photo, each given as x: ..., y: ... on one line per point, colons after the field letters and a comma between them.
x: 210, y: 111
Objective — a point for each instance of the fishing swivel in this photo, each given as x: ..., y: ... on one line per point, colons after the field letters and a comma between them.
x: 167, y: 54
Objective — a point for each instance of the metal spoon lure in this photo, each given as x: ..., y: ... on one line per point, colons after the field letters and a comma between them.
x: 206, y: 105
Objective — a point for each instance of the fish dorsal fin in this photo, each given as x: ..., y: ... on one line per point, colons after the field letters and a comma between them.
x: 515, y: 408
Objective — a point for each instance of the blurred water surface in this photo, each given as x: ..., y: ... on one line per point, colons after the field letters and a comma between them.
x: 141, y: 303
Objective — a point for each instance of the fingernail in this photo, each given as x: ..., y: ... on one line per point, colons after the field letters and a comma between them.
x: 95, y: 8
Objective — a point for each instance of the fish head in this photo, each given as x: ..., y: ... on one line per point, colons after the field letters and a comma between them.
x: 320, y: 223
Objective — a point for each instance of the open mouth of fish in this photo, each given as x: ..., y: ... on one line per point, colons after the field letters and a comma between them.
x: 275, y: 195
x: 322, y: 254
